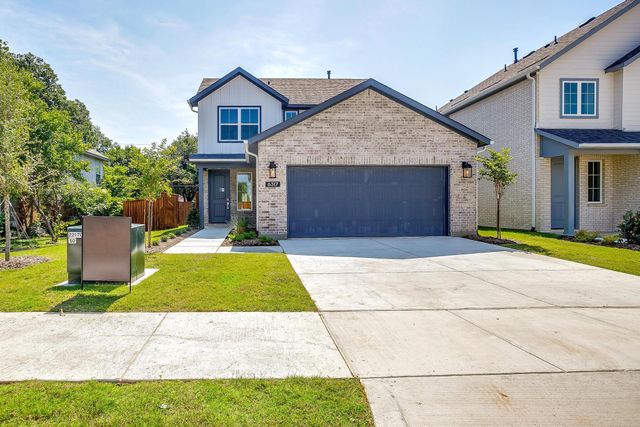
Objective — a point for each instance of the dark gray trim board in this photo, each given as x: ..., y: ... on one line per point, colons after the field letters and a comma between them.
x: 579, y: 80
x: 624, y: 61
x: 193, y: 101
x: 389, y: 93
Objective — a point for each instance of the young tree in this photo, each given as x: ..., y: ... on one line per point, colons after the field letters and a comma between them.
x: 184, y: 178
x: 15, y: 164
x: 154, y: 171
x: 495, y: 168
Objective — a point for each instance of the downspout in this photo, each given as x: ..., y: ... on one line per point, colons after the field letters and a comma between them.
x: 533, y: 147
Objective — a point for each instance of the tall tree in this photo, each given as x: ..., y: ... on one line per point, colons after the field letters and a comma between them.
x: 154, y: 172
x: 184, y: 178
x: 495, y: 169
x: 15, y: 109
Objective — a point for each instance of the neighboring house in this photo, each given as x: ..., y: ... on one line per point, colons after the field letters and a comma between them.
x: 330, y: 157
x: 570, y: 112
x: 96, y: 163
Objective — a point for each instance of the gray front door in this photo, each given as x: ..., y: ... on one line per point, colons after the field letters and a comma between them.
x: 557, y: 192
x: 218, y: 196
x: 327, y: 201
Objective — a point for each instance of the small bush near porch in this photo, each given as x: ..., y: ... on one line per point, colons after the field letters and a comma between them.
x: 624, y: 260
x: 203, y: 282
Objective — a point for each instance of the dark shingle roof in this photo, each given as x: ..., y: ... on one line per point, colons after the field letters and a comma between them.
x: 540, y: 57
x: 301, y: 91
x: 389, y: 93
x: 625, y: 60
x: 595, y: 136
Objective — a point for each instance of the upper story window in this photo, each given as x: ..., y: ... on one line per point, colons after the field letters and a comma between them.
x: 238, y: 123
x: 594, y: 181
x: 579, y: 98
x: 289, y: 114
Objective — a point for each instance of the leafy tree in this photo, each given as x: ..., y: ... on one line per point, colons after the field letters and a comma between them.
x: 15, y: 162
x: 184, y: 178
x: 83, y: 198
x: 154, y: 172
x: 495, y: 168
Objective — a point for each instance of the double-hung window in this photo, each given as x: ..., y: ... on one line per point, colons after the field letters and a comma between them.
x: 238, y: 123
x: 245, y: 191
x: 579, y: 98
x: 594, y: 181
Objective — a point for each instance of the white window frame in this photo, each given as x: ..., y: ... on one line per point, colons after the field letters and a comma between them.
x: 290, y: 111
x: 579, y: 112
x: 250, y: 191
x: 239, y: 123
x: 601, y: 176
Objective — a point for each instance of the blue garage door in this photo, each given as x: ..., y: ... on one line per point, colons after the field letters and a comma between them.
x: 327, y: 201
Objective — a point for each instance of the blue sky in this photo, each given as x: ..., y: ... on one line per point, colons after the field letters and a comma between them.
x: 134, y: 63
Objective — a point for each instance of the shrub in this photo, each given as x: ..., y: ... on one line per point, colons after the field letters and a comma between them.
x: 193, y: 217
x: 586, y: 236
x: 241, y: 223
x: 164, y: 238
x: 610, y: 239
x: 172, y: 235
x: 155, y: 242
x: 239, y: 237
x: 630, y: 227
x: 250, y: 234
x: 179, y: 231
x: 265, y: 239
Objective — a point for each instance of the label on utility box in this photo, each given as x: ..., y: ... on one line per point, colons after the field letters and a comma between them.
x: 72, y: 236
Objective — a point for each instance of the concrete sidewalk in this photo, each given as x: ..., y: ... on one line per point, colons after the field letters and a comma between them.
x: 205, y: 241
x: 152, y: 346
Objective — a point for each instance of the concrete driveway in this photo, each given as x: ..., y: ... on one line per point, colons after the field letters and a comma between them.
x: 451, y: 331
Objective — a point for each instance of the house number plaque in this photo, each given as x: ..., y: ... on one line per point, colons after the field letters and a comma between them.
x: 272, y: 184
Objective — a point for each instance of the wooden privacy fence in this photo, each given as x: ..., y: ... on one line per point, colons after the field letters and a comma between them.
x: 168, y: 211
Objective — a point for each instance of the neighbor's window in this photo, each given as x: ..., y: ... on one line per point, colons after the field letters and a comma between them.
x: 290, y: 114
x: 238, y: 123
x: 245, y: 195
x: 579, y: 98
x: 594, y: 181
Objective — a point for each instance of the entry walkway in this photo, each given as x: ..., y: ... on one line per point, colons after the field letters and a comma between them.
x: 206, y: 241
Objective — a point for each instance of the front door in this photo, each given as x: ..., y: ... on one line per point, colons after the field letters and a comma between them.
x: 218, y: 196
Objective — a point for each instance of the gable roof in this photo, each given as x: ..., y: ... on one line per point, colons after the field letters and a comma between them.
x: 300, y: 91
x: 624, y: 61
x: 537, y: 59
x: 389, y: 93
x: 96, y: 155
x: 230, y: 76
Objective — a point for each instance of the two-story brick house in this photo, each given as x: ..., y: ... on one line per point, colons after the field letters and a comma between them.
x: 570, y: 112
x: 331, y: 157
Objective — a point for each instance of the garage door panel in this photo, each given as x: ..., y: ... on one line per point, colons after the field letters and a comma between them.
x: 367, y: 201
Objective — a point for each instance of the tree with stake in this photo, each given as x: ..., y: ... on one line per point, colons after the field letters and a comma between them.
x: 495, y: 168
x: 154, y: 171
x: 15, y: 164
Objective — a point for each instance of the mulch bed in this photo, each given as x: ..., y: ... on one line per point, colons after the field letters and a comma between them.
x: 163, y: 246
x: 491, y: 240
x: 629, y: 246
x: 22, y: 262
x: 248, y: 242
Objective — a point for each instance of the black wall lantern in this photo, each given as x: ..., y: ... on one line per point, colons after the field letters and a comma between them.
x: 467, y: 170
x: 272, y: 169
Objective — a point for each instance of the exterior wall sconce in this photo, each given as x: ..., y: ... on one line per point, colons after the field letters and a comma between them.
x: 272, y: 169
x: 467, y: 170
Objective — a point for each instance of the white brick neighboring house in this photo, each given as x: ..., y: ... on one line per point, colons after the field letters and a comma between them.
x: 331, y: 157
x: 570, y: 112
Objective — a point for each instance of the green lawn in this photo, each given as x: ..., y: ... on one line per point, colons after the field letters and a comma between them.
x: 624, y: 260
x: 207, y: 282
x: 293, y: 402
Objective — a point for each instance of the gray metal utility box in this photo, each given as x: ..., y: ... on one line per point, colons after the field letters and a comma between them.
x: 105, y: 249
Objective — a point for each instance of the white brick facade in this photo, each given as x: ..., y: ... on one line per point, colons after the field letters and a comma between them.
x: 366, y: 129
